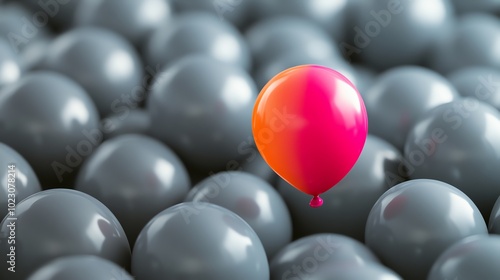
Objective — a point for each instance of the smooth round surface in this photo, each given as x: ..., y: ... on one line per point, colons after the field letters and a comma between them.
x: 275, y: 36
x: 484, y: 6
x: 472, y: 42
x: 479, y: 82
x: 310, y: 125
x: 253, y: 199
x: 61, y: 222
x: 199, y: 241
x: 415, y: 221
x: 18, y: 179
x: 133, y: 19
x: 390, y: 33
x: 197, y: 33
x: 348, y: 203
x: 52, y: 122
x: 370, y: 271
x: 494, y: 222
x: 59, y: 13
x: 134, y: 121
x: 81, y: 267
x: 136, y: 177
x: 303, y: 257
x: 202, y: 108
x: 105, y: 64
x: 400, y: 97
x: 10, y: 69
x: 471, y: 259
x: 459, y: 143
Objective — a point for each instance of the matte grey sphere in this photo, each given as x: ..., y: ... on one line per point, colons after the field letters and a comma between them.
x: 472, y: 42
x: 370, y: 271
x: 494, y: 222
x: 199, y: 241
x: 80, y: 267
x: 473, y: 258
x: 132, y: 121
x: 58, y: 223
x: 303, y: 257
x: 197, y: 33
x: 414, y: 222
x: 348, y: 203
x: 480, y: 82
x: 136, y: 177
x: 52, y: 122
x: 275, y: 36
x: 459, y: 143
x: 105, y: 64
x: 133, y: 19
x: 389, y: 33
x: 18, y: 179
x: 253, y: 199
x: 10, y: 68
x: 202, y: 108
x: 401, y: 96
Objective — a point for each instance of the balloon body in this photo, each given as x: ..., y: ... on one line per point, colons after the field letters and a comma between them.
x: 494, y: 222
x: 370, y: 271
x: 134, y: 121
x: 310, y: 125
x: 10, y: 69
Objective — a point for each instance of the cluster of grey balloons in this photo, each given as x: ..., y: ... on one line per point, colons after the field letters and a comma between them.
x: 126, y: 147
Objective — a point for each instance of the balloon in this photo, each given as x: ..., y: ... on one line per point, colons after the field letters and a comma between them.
x: 310, y: 125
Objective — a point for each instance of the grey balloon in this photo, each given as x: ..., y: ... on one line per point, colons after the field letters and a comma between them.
x: 303, y: 257
x: 371, y: 271
x: 472, y: 42
x: 414, y: 222
x: 347, y: 205
x: 33, y: 55
x: 402, y: 95
x: 275, y: 36
x: 483, y: 6
x: 104, y: 63
x: 52, y: 122
x: 480, y: 82
x: 391, y: 33
x: 459, y: 143
x: 58, y: 13
x: 199, y: 241
x: 494, y: 222
x: 133, y: 19
x: 473, y: 258
x: 10, y: 68
x: 365, y: 78
x: 57, y: 223
x: 18, y: 182
x: 133, y: 121
x: 253, y: 199
x: 202, y: 108
x: 197, y: 33
x: 136, y: 177
x: 80, y: 267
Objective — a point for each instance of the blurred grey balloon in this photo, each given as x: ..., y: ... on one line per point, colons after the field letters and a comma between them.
x: 298, y: 57
x: 473, y: 41
x: 52, y: 122
x: 80, y: 267
x: 402, y: 95
x: 494, y: 221
x: 459, y: 143
x: 104, y: 63
x: 347, y: 205
x: 58, y: 223
x: 136, y: 177
x: 275, y: 36
x: 484, y: 6
x: 199, y: 241
x: 370, y: 271
x: 473, y: 258
x: 253, y: 199
x: 202, y: 108
x: 390, y: 33
x: 23, y: 178
x: 133, y: 121
x: 10, y: 69
x: 133, y: 19
x: 480, y: 82
x: 303, y: 257
x: 59, y: 13
x: 414, y: 222
x: 330, y: 15
x: 32, y: 56
x: 197, y: 33
x: 365, y: 78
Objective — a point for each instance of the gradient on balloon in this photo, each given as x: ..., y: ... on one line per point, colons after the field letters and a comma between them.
x: 310, y: 125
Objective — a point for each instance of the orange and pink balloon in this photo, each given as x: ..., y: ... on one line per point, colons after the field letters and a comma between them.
x: 310, y: 125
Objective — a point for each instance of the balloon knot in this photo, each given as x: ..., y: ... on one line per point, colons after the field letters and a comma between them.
x: 316, y: 201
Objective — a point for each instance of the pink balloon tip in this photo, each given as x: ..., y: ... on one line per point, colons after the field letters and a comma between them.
x: 316, y: 202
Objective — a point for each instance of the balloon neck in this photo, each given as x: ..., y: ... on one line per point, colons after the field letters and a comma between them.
x: 316, y: 201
